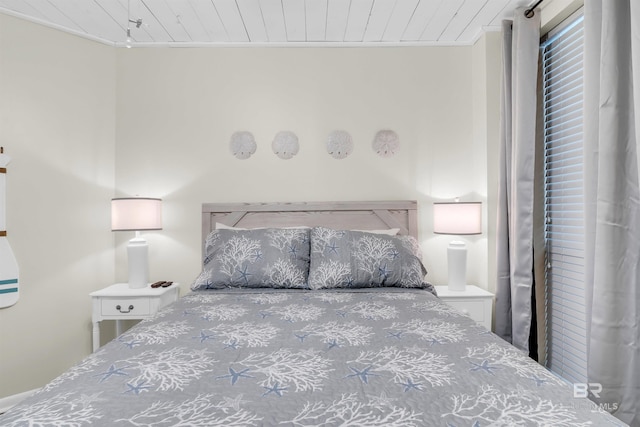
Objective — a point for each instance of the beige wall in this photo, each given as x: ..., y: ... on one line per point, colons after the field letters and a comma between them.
x: 57, y: 106
x: 487, y: 66
x: 84, y: 122
x: 177, y: 109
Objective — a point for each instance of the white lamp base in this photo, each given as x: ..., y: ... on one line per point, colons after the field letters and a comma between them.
x: 457, y: 263
x: 138, y: 253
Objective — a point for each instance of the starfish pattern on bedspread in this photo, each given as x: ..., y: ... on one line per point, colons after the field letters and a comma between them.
x: 367, y: 357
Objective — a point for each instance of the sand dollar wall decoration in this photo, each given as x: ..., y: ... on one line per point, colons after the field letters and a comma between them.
x: 243, y: 144
x: 339, y: 144
x: 386, y: 143
x: 285, y: 144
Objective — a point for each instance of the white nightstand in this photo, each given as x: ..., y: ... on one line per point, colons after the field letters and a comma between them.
x: 119, y: 302
x: 473, y: 301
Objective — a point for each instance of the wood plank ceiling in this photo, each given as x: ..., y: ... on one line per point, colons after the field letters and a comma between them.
x: 270, y: 22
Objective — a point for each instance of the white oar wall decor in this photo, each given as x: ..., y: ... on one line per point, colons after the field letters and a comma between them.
x: 8, y: 266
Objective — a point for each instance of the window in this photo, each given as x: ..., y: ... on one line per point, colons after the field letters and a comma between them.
x: 562, y: 65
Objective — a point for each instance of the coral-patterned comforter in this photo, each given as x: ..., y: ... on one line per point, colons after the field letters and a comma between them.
x: 373, y: 357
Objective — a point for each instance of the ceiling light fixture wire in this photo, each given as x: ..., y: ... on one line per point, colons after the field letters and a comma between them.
x: 138, y: 23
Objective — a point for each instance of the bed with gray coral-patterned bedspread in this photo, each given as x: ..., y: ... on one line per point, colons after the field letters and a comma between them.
x: 368, y: 357
x: 307, y: 327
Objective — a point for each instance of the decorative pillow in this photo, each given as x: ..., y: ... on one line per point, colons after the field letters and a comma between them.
x: 260, y: 258
x: 344, y: 259
x: 390, y: 231
x: 411, y: 243
x: 221, y: 226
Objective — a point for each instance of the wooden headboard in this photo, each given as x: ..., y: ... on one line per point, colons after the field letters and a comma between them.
x: 400, y: 214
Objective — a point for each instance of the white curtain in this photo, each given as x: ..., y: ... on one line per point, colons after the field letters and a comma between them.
x: 612, y: 203
x: 521, y: 44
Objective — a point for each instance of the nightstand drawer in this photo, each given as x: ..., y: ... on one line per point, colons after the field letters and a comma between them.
x: 119, y: 302
x: 472, y: 301
x: 471, y: 308
x: 125, y: 307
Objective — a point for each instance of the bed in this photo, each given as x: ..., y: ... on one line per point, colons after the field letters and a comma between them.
x: 308, y: 314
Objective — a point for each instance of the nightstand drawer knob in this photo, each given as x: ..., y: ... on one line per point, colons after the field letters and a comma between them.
x: 119, y: 308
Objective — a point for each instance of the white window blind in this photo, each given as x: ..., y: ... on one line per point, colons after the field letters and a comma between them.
x: 562, y: 55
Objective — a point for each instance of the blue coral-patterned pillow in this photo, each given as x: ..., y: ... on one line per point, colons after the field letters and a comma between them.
x: 259, y: 258
x: 354, y: 259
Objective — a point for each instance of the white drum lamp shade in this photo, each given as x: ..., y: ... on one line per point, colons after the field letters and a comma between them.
x: 137, y: 214
x: 457, y: 218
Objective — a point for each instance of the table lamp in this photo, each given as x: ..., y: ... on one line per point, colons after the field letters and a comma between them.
x: 137, y: 214
x: 457, y: 218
